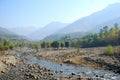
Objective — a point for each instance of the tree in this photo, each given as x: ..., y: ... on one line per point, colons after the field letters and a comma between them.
x: 37, y: 46
x: 67, y: 44
x: 11, y: 45
x: 55, y: 44
x: 62, y: 44
x: 78, y: 43
x: 8, y: 44
x: 43, y: 45
x: 48, y: 44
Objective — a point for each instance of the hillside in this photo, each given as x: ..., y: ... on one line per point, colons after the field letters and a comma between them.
x: 47, y: 30
x: 60, y: 36
x: 25, y: 31
x: 4, y: 31
x: 87, y: 23
x: 6, y: 34
x: 81, y: 34
x: 110, y: 24
x: 92, y: 23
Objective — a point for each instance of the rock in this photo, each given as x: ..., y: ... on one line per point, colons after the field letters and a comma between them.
x: 80, y: 78
x: 73, y: 73
x: 102, y: 76
x: 97, y: 76
x: 61, y: 71
x: 60, y: 64
x: 56, y: 71
x: 2, y: 72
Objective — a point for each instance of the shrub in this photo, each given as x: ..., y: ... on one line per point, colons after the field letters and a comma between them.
x: 109, y: 50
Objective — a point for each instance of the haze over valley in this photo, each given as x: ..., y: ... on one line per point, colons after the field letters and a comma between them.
x: 94, y: 21
x: 59, y: 40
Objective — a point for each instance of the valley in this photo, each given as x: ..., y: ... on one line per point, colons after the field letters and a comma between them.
x: 47, y: 41
x: 60, y: 64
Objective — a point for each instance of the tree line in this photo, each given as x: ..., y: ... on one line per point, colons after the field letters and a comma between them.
x: 104, y: 37
x: 6, y: 44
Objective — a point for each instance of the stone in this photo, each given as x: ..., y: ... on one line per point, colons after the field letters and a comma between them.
x: 73, y: 73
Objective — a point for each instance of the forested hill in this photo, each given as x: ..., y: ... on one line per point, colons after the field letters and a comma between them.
x: 105, y: 36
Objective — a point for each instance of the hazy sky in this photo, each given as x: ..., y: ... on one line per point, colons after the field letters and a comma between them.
x: 14, y: 13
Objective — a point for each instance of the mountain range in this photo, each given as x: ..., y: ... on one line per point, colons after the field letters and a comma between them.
x: 7, y: 34
x: 85, y: 24
x: 92, y: 23
x: 21, y: 30
x: 4, y: 31
x: 47, y: 30
x: 55, y: 30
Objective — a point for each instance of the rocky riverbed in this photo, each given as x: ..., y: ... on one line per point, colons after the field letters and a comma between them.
x: 7, y: 62
x: 28, y: 65
x: 86, y: 57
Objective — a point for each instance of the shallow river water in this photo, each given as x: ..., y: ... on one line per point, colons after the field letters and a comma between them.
x: 65, y: 70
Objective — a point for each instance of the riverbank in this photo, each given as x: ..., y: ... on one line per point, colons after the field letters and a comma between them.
x: 18, y: 66
x: 26, y: 64
x: 86, y: 57
x: 7, y: 62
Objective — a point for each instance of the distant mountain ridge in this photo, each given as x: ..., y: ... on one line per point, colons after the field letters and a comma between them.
x: 47, y: 30
x: 60, y: 36
x: 86, y: 23
x: 23, y: 30
x: 92, y: 23
x: 79, y: 34
x: 110, y: 24
x: 4, y: 31
x: 6, y: 34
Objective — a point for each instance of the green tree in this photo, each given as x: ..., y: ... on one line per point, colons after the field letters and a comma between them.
x: 62, y: 44
x: 11, y: 45
x: 55, y: 44
x: 48, y: 44
x: 37, y: 46
x: 67, y: 44
x: 78, y: 43
x: 43, y: 45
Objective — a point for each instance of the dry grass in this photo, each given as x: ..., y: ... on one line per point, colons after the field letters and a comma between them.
x: 81, y: 61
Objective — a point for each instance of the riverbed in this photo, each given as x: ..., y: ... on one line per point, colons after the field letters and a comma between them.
x: 66, y: 70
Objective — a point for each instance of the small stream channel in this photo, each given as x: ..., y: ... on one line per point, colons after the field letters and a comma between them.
x: 66, y: 70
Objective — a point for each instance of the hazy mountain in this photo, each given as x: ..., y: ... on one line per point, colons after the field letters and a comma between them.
x: 7, y: 34
x: 47, y: 30
x: 81, y: 34
x: 4, y: 31
x: 23, y: 30
x: 87, y: 23
x: 110, y: 24
x: 92, y: 23
x: 60, y: 36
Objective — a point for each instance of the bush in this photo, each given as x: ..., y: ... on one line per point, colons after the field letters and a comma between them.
x: 109, y: 50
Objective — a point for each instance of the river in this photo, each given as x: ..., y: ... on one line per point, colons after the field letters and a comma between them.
x: 65, y: 70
